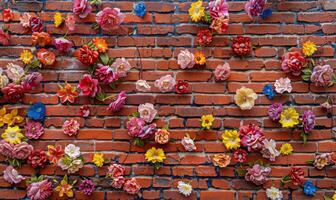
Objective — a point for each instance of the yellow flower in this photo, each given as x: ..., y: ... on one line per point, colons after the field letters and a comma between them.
x: 155, y: 155
x: 98, y: 159
x: 196, y: 11
x: 286, y: 149
x: 13, y: 135
x: 26, y: 56
x: 13, y: 118
x: 58, y: 19
x: 289, y: 118
x: 207, y: 121
x: 309, y: 48
x: 245, y: 98
x: 334, y: 196
x: 2, y: 116
x: 64, y: 188
x: 199, y: 58
x: 231, y: 139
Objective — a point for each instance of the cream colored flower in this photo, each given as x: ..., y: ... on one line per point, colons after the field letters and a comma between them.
x: 245, y: 98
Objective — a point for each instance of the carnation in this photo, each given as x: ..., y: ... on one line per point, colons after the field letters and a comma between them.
x: 308, y: 121
x: 71, y: 127
x: 257, y: 174
x: 131, y: 186
x: 87, y: 187
x: 115, y: 170
x: 274, y: 111
x: 40, y: 190
x: 252, y: 137
x: 222, y: 72
x: 34, y: 129
x: 118, y: 182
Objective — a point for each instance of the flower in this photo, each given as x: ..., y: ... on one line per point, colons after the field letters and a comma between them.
x: 257, y: 174
x: 12, y: 92
x: 268, y: 91
x: 221, y: 160
x: 37, y: 158
x: 218, y: 8
x: 251, y: 137
x: 182, y: 87
x: 46, y: 57
x: 109, y: 18
x: 12, y: 176
x: 334, y: 196
x: 196, y: 11
x: 165, y: 83
x: 32, y: 80
x: 82, y: 8
x: 240, y: 155
x: 155, y: 155
x: 162, y: 136
x: 13, y: 135
x: 199, y: 58
x: 7, y: 15
x: 121, y: 66
x: 41, y: 38
x: 62, y: 45
x: 186, y: 59
x: 188, y: 143
x: 131, y: 186
x: 274, y: 193
x: 147, y: 112
x: 67, y: 93
x: 70, y: 22
x: 309, y: 48
x: 142, y: 86
x: 3, y: 80
x: 322, y: 160
x: 220, y: 24
x: 4, y: 38
x: 71, y: 127
x: 6, y: 149
x: 254, y: 7
x: 309, y: 188
x: 36, y: 24
x: 98, y: 159
x: 241, y: 45
x: 14, y: 72
x: 184, y: 188
x: 72, y: 151
x: 88, y: 85
x: 10, y: 118
x: 24, y: 20
x: 269, y: 150
x: 64, y: 188
x: 100, y: 44
x: 40, y: 190
x: 106, y: 74
x: 283, y: 85
x: 139, y: 9
x: 222, y: 72
x: 274, y: 111
x: 115, y: 170
x: 289, y: 118
x: 37, y: 111
x: 308, y: 121
x: 86, y: 55
x: 207, y: 121
x: 54, y: 153
x: 322, y: 75
x: 297, y: 175
x: 118, y: 182
x: 34, y: 129
x: 231, y: 139
x: 118, y: 103
x: 84, y: 111
x: 293, y: 62
x: 286, y: 149
x: 87, y: 187
x: 147, y: 131
x: 71, y: 165
x: 204, y: 37
x: 245, y: 98
x: 58, y: 19
x: 22, y: 151
x: 134, y: 126
x: 26, y: 56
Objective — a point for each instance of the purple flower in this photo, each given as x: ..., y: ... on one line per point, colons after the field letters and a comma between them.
x: 308, y: 121
x: 274, y: 111
x: 255, y: 7
x: 87, y: 187
x: 106, y: 74
x: 32, y: 80
x: 118, y: 103
x: 134, y: 126
x: 147, y: 131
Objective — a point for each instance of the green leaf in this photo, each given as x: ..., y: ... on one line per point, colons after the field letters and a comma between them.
x: 101, y: 96
x: 304, y: 137
x: 310, y: 162
x: 104, y: 58
x: 139, y: 142
x: 111, y: 61
x: 157, y: 165
x: 95, y: 26
x: 34, y: 64
x: 136, y: 114
x: 92, y: 69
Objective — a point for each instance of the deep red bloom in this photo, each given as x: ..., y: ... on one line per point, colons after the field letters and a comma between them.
x: 293, y: 62
x: 204, y: 37
x: 241, y: 46
x: 88, y: 85
x: 12, y: 92
x: 240, y: 155
x: 38, y: 159
x: 36, y: 24
x: 297, y: 175
x: 46, y: 57
x: 7, y: 15
x: 4, y: 38
x: 182, y: 87
x: 86, y: 55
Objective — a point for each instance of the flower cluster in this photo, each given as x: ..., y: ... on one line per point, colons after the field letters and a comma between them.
x: 71, y: 160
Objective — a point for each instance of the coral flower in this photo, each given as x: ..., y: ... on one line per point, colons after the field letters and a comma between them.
x: 245, y: 98
x: 221, y: 160
x: 293, y: 62
x: 196, y: 11
x: 86, y: 55
x: 100, y: 44
x: 67, y: 93
x: 46, y: 57
x: 26, y: 56
x: 309, y: 48
x: 199, y: 58
x: 41, y: 38
x: 289, y: 118
x: 54, y: 153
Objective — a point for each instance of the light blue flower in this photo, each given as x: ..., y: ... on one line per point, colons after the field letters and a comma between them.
x: 309, y: 189
x: 140, y: 9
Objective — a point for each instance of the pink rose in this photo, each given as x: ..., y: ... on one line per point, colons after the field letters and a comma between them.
x: 322, y: 75
x: 70, y: 22
x: 134, y: 126
x: 32, y: 80
x: 40, y: 190
x: 82, y: 8
x: 222, y: 72
x: 118, y: 182
x: 115, y: 170
x: 165, y: 83
x: 71, y: 127
x: 147, y: 112
x: 109, y: 18
x: 88, y: 85
x: 186, y: 60
x: 121, y: 66
x: 6, y: 149
x: 62, y: 45
x: 257, y: 174
x: 22, y: 151
x: 106, y: 74
x: 12, y: 176
x: 131, y: 186
x: 118, y: 103
x: 218, y: 8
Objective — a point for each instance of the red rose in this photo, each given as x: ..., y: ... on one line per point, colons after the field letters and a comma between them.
x: 86, y: 55
x: 12, y: 92
x: 241, y: 46
x: 182, y: 87
x: 37, y: 159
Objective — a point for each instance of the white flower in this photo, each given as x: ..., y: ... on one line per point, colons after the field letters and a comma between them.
x: 282, y: 85
x: 274, y: 193
x: 184, y: 188
x: 188, y: 143
x: 72, y: 151
x: 147, y: 112
x: 142, y: 86
x: 269, y: 150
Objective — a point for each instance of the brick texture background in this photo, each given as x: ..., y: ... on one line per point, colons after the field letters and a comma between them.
x: 159, y: 36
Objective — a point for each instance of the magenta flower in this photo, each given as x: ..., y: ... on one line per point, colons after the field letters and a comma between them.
x: 71, y: 127
x: 82, y: 8
x: 12, y: 176
x: 222, y: 72
x: 32, y: 80
x: 308, y: 121
x: 121, y: 66
x: 134, y: 125
x: 22, y: 151
x: 88, y: 85
x: 40, y: 190
x: 62, y: 45
x: 109, y: 18
x: 118, y: 103
x: 106, y: 74
x: 257, y: 174
x: 186, y: 59
x: 87, y: 187
x: 218, y: 8
x: 34, y: 129
x: 254, y: 8
x: 322, y: 75
x: 131, y: 186
x: 274, y: 111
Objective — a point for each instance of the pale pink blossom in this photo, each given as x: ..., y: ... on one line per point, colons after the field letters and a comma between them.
x: 70, y: 22
x: 22, y: 151
x: 165, y: 83
x: 118, y: 182
x: 12, y: 176
x: 188, y: 143
x: 186, y: 59
x: 222, y: 72
x: 257, y: 174
x: 147, y: 112
x: 283, y: 85
x: 14, y: 72
x: 40, y: 190
x: 71, y: 127
x: 82, y: 8
x: 24, y: 20
x: 142, y: 86
x: 322, y: 75
x: 109, y: 18
x: 121, y: 66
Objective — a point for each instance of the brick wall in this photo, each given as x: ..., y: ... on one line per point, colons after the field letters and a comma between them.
x: 159, y: 36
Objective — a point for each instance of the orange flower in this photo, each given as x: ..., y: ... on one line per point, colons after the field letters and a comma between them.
x: 221, y: 160
x: 100, y: 44
x: 67, y: 93
x: 46, y: 57
x: 41, y: 38
x: 199, y: 58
